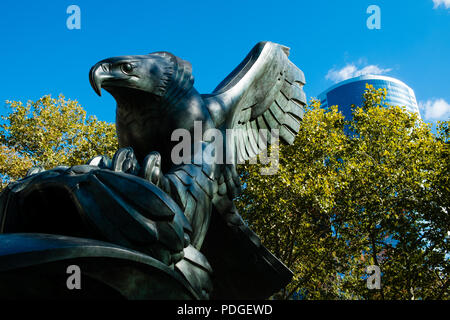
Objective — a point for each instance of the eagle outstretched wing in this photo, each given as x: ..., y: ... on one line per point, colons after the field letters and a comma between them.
x: 265, y: 91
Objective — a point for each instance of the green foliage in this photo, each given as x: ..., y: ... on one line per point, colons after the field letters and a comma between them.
x: 349, y: 193
x: 48, y: 133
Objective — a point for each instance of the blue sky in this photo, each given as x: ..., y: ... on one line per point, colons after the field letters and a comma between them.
x: 329, y: 41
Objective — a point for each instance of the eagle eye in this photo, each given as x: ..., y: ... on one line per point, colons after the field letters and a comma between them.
x: 127, y: 67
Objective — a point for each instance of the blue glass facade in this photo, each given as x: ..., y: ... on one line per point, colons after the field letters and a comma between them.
x: 351, y: 91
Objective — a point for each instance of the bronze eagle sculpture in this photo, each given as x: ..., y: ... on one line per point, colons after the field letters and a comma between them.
x: 181, y: 215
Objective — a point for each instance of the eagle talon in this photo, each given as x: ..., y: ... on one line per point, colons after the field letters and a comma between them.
x: 151, y: 169
x: 124, y: 160
x: 103, y: 162
x: 34, y: 170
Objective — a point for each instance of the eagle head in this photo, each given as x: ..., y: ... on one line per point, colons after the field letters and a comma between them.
x: 147, y: 89
x: 157, y: 75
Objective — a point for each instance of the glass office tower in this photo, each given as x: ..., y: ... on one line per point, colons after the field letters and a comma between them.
x: 351, y: 91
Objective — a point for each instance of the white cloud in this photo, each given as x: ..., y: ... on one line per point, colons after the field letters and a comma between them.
x: 438, y: 3
x: 350, y: 71
x: 435, y: 109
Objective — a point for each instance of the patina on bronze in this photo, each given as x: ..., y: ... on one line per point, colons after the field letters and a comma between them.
x: 140, y: 225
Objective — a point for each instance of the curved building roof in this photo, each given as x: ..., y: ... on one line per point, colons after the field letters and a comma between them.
x: 351, y: 91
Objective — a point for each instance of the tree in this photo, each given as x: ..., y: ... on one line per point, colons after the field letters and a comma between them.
x: 349, y: 193
x: 50, y: 132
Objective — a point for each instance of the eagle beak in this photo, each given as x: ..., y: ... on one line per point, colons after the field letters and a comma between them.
x: 98, y: 75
